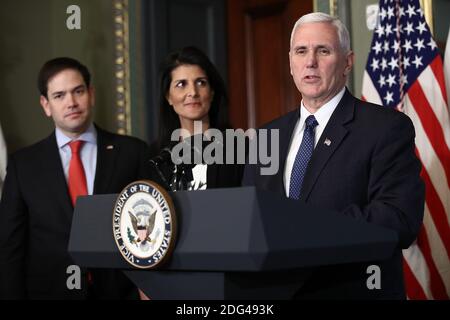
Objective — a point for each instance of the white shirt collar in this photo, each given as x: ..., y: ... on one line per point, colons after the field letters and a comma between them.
x: 90, y: 136
x: 323, y: 114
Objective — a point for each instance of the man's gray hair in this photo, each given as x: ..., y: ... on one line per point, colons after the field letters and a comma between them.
x: 344, y: 36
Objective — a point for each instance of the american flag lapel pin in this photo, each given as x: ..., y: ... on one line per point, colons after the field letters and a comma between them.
x: 327, y: 142
x: 109, y: 147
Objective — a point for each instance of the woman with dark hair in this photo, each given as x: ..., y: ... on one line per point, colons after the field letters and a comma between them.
x: 191, y: 90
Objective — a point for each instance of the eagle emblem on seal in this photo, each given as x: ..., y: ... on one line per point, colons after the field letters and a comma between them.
x: 143, y: 222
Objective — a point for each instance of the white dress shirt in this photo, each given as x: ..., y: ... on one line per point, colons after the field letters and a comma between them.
x: 199, y: 173
x: 322, y: 116
x: 88, y: 154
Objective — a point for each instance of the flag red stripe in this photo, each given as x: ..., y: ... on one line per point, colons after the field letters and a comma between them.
x: 413, y: 288
x: 436, y: 66
x: 437, y: 210
x: 436, y: 283
x: 431, y: 126
x: 438, y: 216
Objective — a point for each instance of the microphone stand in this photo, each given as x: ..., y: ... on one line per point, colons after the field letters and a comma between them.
x: 156, y: 161
x: 181, y: 173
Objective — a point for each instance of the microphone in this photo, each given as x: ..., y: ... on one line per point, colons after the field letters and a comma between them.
x: 181, y: 174
x: 163, y: 157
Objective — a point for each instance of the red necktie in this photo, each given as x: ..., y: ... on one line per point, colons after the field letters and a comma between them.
x: 77, y: 177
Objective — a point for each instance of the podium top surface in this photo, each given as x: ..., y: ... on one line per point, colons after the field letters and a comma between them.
x: 237, y: 229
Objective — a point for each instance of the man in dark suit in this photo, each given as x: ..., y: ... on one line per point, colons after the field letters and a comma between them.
x: 343, y: 154
x: 41, y: 186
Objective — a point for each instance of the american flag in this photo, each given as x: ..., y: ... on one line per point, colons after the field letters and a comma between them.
x: 404, y: 71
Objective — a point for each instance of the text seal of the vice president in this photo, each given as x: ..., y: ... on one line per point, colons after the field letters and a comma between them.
x: 144, y: 224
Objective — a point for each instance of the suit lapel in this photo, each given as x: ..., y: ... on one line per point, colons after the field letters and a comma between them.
x: 331, y: 138
x: 286, y: 131
x: 53, y: 173
x: 107, y: 153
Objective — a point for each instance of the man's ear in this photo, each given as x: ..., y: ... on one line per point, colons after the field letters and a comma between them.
x: 45, y: 105
x: 350, y: 58
x: 290, y: 66
x: 91, y: 91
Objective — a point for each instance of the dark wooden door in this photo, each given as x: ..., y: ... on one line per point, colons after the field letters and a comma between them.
x: 259, y: 81
x: 172, y: 24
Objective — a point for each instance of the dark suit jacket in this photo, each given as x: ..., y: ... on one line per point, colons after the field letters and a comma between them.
x: 36, y: 215
x: 369, y: 172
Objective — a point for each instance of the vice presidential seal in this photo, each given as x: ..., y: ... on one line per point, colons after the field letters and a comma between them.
x: 144, y: 224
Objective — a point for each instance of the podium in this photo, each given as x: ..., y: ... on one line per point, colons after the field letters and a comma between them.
x: 235, y: 243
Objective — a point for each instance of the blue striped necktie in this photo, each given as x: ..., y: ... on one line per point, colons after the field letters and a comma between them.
x: 302, y: 158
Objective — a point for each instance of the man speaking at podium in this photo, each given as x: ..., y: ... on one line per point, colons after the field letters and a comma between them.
x: 43, y: 182
x: 346, y: 155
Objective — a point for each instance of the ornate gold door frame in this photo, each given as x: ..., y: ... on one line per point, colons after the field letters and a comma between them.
x: 122, y: 67
x: 427, y: 7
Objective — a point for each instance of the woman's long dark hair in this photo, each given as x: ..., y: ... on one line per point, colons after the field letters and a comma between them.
x: 218, y: 112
